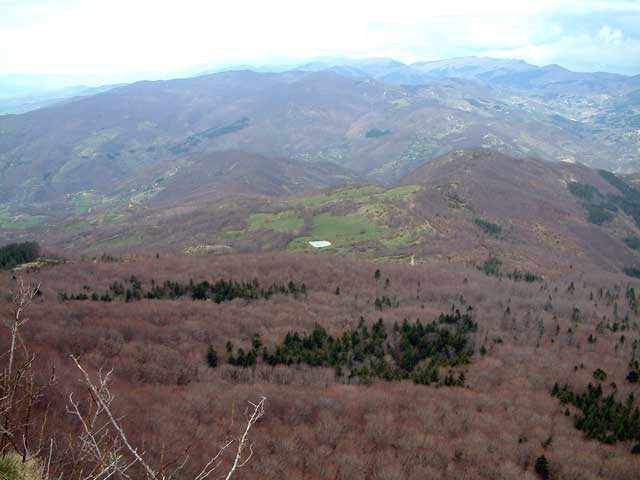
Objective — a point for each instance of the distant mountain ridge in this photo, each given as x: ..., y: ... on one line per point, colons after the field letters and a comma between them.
x: 509, y: 72
x: 22, y: 93
x: 359, y: 114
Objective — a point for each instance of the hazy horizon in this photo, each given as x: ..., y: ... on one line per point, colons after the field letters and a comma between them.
x: 121, y: 41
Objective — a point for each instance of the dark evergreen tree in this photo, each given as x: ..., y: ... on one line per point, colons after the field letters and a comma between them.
x: 212, y: 357
x: 256, y: 342
x: 18, y: 253
x: 542, y: 467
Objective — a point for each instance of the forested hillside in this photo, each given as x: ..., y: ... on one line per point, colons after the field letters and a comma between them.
x: 369, y: 370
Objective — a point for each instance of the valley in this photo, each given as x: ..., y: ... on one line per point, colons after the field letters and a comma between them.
x: 313, y: 115
x: 470, y: 310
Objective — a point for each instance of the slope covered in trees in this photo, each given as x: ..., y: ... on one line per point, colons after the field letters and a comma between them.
x: 18, y: 253
x: 469, y: 206
x: 488, y: 414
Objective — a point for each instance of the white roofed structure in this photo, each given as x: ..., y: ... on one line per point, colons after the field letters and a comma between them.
x: 320, y: 244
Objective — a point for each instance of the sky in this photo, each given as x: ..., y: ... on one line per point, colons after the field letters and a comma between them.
x: 111, y: 40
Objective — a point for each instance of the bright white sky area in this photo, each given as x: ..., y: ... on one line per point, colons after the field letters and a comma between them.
x: 128, y: 39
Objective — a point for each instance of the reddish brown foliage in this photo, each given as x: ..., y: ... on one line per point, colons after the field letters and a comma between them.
x: 316, y: 427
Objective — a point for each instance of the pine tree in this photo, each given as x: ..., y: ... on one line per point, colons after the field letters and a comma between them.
x: 542, y: 467
x: 212, y: 357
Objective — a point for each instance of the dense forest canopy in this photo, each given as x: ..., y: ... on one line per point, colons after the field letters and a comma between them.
x: 18, y: 253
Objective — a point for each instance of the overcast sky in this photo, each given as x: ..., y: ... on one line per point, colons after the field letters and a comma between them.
x: 136, y: 37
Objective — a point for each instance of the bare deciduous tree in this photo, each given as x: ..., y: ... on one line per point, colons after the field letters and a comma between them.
x: 20, y: 387
x: 104, y: 450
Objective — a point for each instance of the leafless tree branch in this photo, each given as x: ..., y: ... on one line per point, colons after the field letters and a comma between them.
x: 105, y: 446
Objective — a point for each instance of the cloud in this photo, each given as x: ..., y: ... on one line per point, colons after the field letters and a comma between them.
x: 605, y: 49
x: 137, y: 37
x: 610, y: 36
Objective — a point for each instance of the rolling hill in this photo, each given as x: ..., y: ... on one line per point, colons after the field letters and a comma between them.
x: 90, y: 147
x: 466, y: 207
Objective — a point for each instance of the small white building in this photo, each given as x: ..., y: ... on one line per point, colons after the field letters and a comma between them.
x: 320, y: 243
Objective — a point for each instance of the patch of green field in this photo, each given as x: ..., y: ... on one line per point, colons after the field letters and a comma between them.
x: 90, y: 145
x: 341, y: 231
x: 402, y: 239
x: 400, y: 103
x: 145, y: 125
x: 16, y: 221
x: 284, y: 222
x: 377, y: 211
x: 113, y: 217
x: 233, y: 234
x: 400, y: 193
x: 357, y: 194
x: 372, y: 206
x: 82, y: 202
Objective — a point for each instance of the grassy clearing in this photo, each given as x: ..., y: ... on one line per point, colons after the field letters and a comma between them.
x: 374, y: 211
x: 18, y: 221
x: 400, y: 193
x: 403, y: 238
x: 90, y: 145
x: 357, y: 194
x: 233, y: 234
x: 145, y: 125
x: 341, y: 230
x: 400, y: 103
x: 284, y: 222
x: 82, y: 202
x: 374, y: 205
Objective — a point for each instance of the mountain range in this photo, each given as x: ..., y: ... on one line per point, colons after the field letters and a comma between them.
x: 413, y: 156
x: 430, y: 271
x: 362, y: 118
